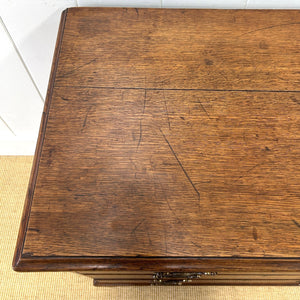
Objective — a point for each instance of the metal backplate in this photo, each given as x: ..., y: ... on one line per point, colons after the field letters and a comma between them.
x: 178, y: 278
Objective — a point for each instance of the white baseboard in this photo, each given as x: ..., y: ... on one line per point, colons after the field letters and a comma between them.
x: 17, y: 147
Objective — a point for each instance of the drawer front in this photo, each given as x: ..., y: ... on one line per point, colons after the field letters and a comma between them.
x: 200, y: 278
x: 280, y: 282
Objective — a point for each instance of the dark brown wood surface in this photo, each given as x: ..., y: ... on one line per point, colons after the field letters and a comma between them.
x: 183, y: 49
x: 171, y: 134
x: 172, y: 173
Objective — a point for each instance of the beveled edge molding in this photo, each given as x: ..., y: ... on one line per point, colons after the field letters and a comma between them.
x: 39, y: 146
x: 162, y: 264
x: 27, y: 263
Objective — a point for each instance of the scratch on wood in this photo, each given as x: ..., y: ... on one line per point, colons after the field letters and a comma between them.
x: 135, y: 167
x: 137, y: 11
x: 181, y: 166
x: 170, y: 208
x: 166, y: 109
x: 196, y: 245
x: 78, y: 68
x: 281, y: 78
x: 269, y: 27
x: 249, y: 170
x: 203, y: 108
x: 141, y: 126
x: 81, y: 195
x: 254, y: 233
x: 149, y: 238
x: 140, y: 138
x: 145, y: 99
x: 296, y: 223
x: 168, y: 203
x: 86, y: 116
x: 133, y: 163
x: 253, y: 168
x: 84, y: 122
x: 137, y: 226
x: 33, y: 229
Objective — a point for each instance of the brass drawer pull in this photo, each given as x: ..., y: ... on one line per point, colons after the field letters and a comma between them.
x: 177, y: 278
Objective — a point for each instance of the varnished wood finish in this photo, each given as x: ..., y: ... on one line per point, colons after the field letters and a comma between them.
x: 169, y: 143
x: 180, y: 48
x: 34, y: 171
x: 112, y: 283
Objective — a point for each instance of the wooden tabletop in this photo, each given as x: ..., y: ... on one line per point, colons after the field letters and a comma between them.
x: 168, y: 133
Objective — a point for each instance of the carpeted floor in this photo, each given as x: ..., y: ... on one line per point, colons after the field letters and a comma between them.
x: 14, y: 176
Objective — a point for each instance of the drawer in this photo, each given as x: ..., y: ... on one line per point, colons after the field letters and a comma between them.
x: 200, y: 278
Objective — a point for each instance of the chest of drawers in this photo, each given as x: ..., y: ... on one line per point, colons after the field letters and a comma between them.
x: 168, y: 151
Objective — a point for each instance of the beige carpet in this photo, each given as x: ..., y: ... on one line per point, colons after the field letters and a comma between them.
x: 14, y: 176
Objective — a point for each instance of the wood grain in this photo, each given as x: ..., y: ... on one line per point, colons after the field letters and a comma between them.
x: 167, y: 174
x: 170, y: 142
x: 181, y: 48
x: 38, y: 150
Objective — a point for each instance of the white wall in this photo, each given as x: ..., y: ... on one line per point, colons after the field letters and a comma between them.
x: 28, y: 31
